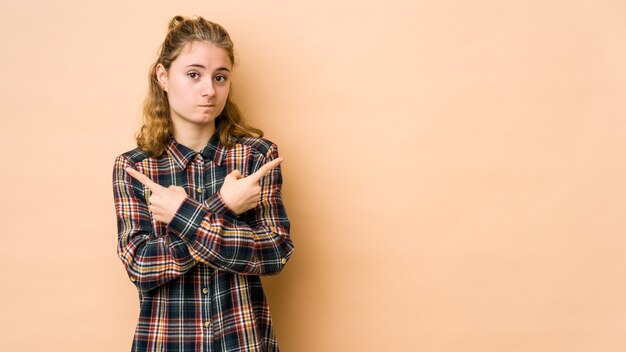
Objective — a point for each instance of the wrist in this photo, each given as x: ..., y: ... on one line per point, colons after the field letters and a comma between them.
x: 227, y: 204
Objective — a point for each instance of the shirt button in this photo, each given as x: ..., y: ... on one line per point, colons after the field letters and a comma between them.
x: 133, y: 279
x: 198, y: 158
x: 207, y: 324
x: 205, y: 290
x: 199, y: 189
x: 283, y: 261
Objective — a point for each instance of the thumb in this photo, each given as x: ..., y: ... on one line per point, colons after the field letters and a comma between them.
x: 235, y: 175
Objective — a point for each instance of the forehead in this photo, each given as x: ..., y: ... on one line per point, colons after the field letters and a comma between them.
x: 203, y: 53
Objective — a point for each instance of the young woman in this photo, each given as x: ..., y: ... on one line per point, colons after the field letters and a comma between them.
x: 198, y: 204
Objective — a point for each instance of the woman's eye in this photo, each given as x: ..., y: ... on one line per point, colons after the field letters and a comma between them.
x: 221, y: 79
x: 193, y: 75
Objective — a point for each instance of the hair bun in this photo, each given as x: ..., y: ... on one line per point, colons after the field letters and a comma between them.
x: 175, y: 22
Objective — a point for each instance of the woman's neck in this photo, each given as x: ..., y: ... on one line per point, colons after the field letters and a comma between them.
x: 193, y: 136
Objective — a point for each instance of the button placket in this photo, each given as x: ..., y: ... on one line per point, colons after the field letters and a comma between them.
x: 205, y: 298
x: 199, y: 177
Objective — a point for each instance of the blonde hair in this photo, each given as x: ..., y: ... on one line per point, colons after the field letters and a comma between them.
x: 156, y: 131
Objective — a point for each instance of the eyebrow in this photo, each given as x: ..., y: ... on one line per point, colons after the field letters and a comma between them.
x: 204, y: 68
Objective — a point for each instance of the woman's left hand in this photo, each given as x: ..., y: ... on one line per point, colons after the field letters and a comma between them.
x: 163, y: 201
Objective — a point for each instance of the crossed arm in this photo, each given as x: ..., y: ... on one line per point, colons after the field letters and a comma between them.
x: 238, y: 193
x: 202, y: 232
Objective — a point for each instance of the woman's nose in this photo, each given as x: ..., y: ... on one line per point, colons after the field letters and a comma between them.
x: 208, y: 89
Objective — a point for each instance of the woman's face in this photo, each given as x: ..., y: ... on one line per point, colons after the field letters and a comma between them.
x: 197, y: 83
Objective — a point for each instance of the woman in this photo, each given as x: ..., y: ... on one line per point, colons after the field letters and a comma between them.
x: 198, y: 203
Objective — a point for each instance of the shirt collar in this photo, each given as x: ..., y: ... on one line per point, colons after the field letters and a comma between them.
x: 214, y: 150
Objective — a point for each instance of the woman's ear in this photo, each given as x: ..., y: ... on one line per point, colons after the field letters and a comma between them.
x: 161, y: 75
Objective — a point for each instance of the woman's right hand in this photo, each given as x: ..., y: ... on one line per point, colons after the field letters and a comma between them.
x: 241, y: 194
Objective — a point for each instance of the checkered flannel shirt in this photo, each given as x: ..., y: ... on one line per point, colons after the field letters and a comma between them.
x: 198, y: 276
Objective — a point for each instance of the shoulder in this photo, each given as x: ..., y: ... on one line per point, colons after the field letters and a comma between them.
x: 261, y: 145
x: 133, y: 156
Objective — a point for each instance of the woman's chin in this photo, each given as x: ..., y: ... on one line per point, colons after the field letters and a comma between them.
x: 200, y: 120
x: 204, y: 120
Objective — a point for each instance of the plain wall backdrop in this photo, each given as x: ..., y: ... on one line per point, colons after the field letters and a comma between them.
x: 454, y: 170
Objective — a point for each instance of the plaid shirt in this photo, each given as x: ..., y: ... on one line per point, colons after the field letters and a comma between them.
x: 198, y: 277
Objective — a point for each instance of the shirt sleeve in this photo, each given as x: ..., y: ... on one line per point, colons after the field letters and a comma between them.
x: 257, y: 243
x: 150, y: 261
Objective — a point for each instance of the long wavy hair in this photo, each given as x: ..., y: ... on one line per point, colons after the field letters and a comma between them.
x: 157, y: 126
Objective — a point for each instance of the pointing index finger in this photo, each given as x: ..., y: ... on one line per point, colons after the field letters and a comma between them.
x: 263, y: 170
x: 145, y: 180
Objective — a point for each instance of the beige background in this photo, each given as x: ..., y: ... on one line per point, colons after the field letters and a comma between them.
x: 455, y: 170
